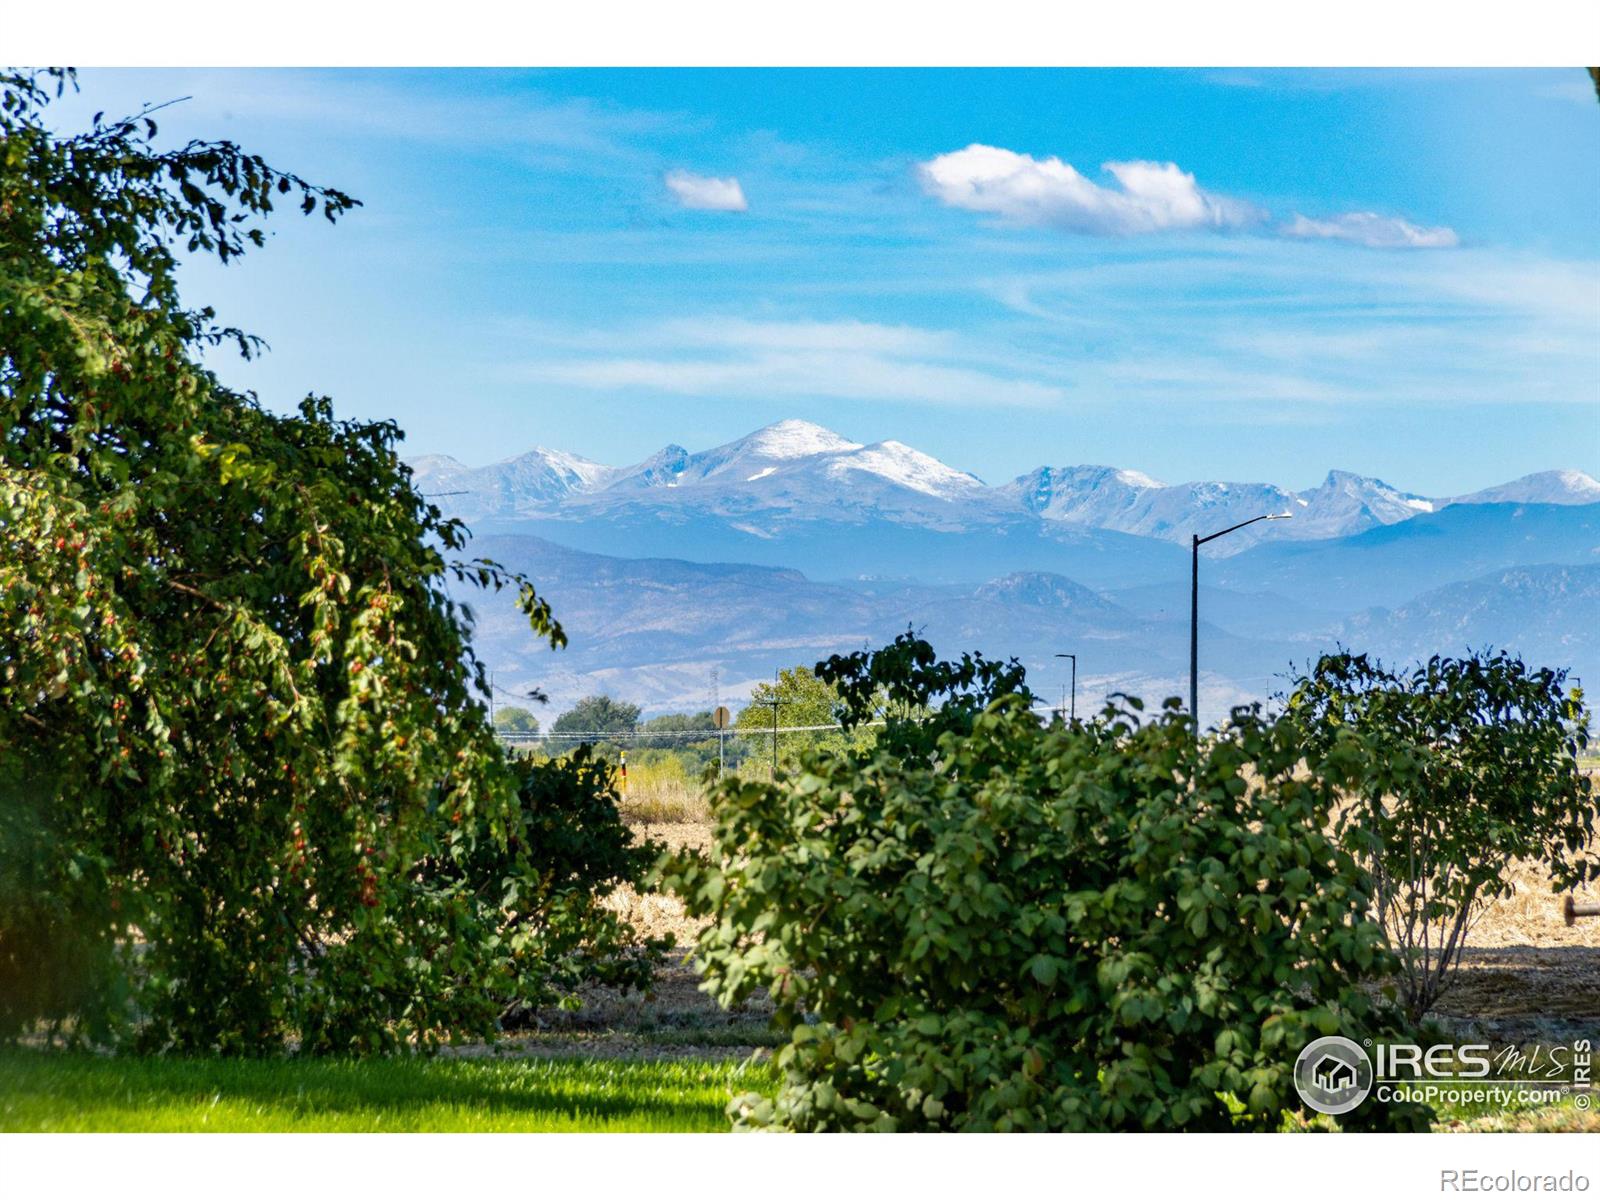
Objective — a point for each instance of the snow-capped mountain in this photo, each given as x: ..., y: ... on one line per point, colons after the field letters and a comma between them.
x: 748, y: 460
x: 1542, y: 487
x: 1345, y: 503
x: 787, y: 472
x: 1130, y: 502
x: 528, y: 484
x: 798, y: 464
x: 795, y: 474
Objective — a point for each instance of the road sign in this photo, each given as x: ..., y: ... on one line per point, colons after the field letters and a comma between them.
x: 720, y: 717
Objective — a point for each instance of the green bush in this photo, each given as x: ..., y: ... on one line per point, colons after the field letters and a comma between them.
x: 57, y: 963
x: 1458, y: 766
x: 984, y: 923
x: 540, y: 893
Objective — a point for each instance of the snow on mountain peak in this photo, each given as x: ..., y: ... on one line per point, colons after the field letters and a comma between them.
x: 1343, y: 491
x: 795, y: 471
x: 795, y: 439
x: 901, y: 464
x: 1138, y: 479
x: 436, y: 462
x: 661, y: 469
x: 550, y: 473
x: 1542, y: 487
x: 1575, y: 481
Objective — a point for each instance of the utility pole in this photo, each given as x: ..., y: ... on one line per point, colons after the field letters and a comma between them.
x: 1074, y: 658
x: 1194, y: 608
x: 777, y: 679
x: 775, y: 703
x: 1194, y: 634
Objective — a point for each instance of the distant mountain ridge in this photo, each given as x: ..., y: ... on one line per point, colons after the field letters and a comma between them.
x: 1389, y: 564
x: 1548, y: 613
x: 774, y: 482
x: 652, y: 630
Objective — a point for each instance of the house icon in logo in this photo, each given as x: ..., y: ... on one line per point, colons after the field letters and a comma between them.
x: 1333, y: 1074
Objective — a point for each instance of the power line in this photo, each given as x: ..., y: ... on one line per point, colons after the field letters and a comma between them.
x: 708, y: 734
x: 702, y: 734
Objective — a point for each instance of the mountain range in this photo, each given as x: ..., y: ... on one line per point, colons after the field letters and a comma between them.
x: 794, y: 473
x: 795, y: 543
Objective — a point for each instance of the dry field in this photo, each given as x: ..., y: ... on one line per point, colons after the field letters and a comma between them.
x: 1525, y: 975
x: 676, y: 1019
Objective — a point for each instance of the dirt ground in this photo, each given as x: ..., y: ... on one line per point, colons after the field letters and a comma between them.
x: 676, y: 1019
x: 1525, y: 975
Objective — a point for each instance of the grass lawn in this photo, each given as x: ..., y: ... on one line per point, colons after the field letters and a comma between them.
x: 1572, y: 1114
x: 42, y: 1091
x: 47, y: 1091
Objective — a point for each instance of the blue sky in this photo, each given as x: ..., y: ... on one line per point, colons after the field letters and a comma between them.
x: 1396, y: 273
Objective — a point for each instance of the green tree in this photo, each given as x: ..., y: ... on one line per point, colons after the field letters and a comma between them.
x: 234, y: 690
x: 1460, y: 766
x: 699, y: 722
x: 598, y: 714
x: 803, y: 699
x: 511, y: 719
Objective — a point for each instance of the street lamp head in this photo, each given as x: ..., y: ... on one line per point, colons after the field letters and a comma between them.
x: 1283, y: 516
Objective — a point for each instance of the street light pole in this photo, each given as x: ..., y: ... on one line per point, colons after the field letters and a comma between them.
x: 1194, y: 635
x: 1194, y: 608
x: 1074, y: 658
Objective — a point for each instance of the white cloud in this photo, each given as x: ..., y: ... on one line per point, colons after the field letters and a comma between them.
x: 1149, y: 196
x: 1289, y: 329
x: 839, y: 376
x: 856, y: 336
x: 853, y: 360
x: 706, y: 192
x: 1371, y: 229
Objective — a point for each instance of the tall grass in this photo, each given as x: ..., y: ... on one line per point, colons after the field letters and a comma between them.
x: 661, y: 791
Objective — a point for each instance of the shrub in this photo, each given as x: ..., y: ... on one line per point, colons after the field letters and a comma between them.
x: 983, y: 923
x: 541, y: 892
x: 1458, y: 767
x: 57, y: 965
